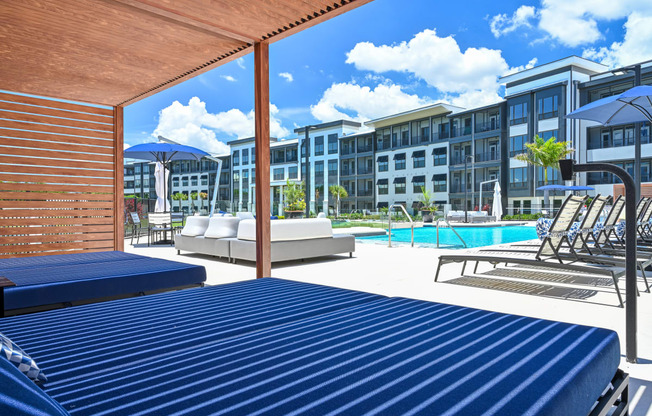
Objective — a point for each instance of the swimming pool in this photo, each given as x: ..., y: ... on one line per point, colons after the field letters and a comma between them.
x: 473, y: 236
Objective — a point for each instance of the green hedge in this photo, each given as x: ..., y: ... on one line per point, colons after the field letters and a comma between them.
x: 521, y: 217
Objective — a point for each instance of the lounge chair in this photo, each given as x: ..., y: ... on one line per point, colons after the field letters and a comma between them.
x: 47, y: 282
x: 272, y: 346
x: 548, y: 253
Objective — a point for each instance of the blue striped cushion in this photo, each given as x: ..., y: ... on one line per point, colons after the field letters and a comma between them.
x: 542, y: 227
x: 23, y: 362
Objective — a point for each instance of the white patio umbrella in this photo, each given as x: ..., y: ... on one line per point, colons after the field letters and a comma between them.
x: 497, y: 208
x: 161, y: 175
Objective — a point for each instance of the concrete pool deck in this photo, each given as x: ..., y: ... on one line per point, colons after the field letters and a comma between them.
x: 409, y: 272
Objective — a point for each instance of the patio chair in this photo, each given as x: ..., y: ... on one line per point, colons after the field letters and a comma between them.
x: 178, y: 220
x: 136, y: 227
x: 159, y: 223
x: 548, y: 254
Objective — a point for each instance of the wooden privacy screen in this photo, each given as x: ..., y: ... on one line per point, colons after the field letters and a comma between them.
x: 60, y: 177
x: 646, y: 190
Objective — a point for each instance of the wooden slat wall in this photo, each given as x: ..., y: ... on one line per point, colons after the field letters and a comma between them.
x: 60, y: 177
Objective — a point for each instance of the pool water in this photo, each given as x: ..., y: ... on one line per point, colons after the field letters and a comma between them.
x: 473, y: 236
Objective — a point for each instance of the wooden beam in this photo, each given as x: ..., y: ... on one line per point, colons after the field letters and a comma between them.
x: 178, y: 16
x: 118, y: 187
x: 261, y: 106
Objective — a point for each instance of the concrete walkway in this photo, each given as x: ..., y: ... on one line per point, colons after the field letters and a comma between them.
x: 409, y: 272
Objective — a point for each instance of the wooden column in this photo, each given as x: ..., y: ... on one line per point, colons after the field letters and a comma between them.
x: 261, y: 108
x: 118, y: 178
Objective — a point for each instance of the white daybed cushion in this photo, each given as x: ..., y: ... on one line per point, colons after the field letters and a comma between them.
x: 245, y: 215
x: 195, y: 226
x: 289, y: 230
x: 222, y: 227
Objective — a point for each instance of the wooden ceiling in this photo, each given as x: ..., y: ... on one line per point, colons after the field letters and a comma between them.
x: 116, y: 52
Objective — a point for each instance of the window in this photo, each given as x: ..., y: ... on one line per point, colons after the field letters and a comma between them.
x: 405, y: 135
x: 224, y: 178
x: 547, y: 135
x: 175, y: 182
x: 399, y: 161
x: 319, y: 171
x: 137, y: 169
x: 193, y: 181
x: 279, y: 174
x: 236, y: 158
x: 418, y: 182
x: 245, y: 156
x: 439, y: 183
x: 518, y: 113
x: 518, y: 178
x: 332, y: 168
x: 293, y: 172
x: 548, y: 107
x: 383, y: 164
x: 399, y: 185
x: 184, y: 181
x: 517, y: 145
x: 628, y: 140
x: 291, y: 154
x: 253, y: 156
x: 553, y: 176
x: 439, y: 156
x: 383, y: 186
x: 204, y: 180
x: 319, y: 145
x: 419, y: 159
x: 332, y: 144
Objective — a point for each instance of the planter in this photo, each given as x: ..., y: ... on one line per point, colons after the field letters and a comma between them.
x: 427, y: 216
x: 294, y: 214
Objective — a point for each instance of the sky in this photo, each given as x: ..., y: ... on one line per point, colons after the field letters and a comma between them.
x: 390, y: 56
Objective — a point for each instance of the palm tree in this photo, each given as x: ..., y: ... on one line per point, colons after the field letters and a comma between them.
x: 202, y: 197
x: 338, y: 193
x: 545, y: 154
x: 180, y: 197
x: 193, y: 198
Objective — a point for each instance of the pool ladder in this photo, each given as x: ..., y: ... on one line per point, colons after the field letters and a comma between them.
x: 448, y: 224
x: 390, y: 222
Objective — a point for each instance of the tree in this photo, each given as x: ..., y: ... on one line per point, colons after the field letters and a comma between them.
x: 545, y: 154
x: 338, y: 192
x: 180, y: 197
x: 202, y: 197
x: 193, y: 198
x: 294, y: 196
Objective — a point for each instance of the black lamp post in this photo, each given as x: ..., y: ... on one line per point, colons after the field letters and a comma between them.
x: 466, y: 185
x: 306, y: 142
x: 567, y: 167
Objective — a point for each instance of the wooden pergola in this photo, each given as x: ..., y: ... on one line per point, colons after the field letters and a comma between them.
x: 61, y: 158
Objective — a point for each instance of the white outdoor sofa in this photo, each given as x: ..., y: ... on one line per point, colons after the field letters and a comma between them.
x: 235, y: 239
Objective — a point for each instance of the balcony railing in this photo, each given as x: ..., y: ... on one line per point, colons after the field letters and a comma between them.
x: 347, y: 172
x: 420, y: 139
x: 518, y: 185
x: 487, y: 156
x: 346, y: 150
x: 459, y: 160
x: 365, y: 192
x: 487, y: 126
x: 365, y: 171
x: 550, y: 182
x: 443, y: 135
x: 365, y: 148
x: 461, y: 131
x: 458, y: 189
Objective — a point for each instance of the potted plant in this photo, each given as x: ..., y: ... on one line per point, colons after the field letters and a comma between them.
x: 180, y: 197
x: 427, y: 208
x: 295, y: 202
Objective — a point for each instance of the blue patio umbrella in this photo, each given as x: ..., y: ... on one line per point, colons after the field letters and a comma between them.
x: 632, y: 106
x: 553, y: 188
x: 164, y: 153
x: 580, y: 188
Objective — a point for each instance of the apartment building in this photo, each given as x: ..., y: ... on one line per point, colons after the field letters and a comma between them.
x: 457, y: 154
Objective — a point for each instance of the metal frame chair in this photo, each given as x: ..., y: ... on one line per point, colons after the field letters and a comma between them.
x: 159, y: 222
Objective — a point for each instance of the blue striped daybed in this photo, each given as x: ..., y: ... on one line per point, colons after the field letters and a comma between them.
x: 46, y: 281
x: 280, y: 347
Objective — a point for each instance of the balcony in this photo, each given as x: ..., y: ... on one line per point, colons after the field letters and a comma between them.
x: 365, y: 192
x: 365, y: 148
x: 365, y: 171
x: 347, y: 172
x: 459, y: 189
x: 461, y: 131
x: 459, y: 160
x: 518, y: 185
x: 443, y: 135
x: 347, y: 150
x: 550, y: 182
x: 420, y: 139
x: 487, y: 126
x: 487, y: 157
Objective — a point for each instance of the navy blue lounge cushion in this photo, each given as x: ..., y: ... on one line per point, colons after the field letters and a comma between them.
x: 21, y: 397
x: 279, y: 347
x: 19, y: 358
x: 47, y: 280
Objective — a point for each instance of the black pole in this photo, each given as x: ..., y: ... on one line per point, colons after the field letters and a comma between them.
x: 637, y: 139
x: 567, y: 167
x: 466, y: 185
x: 306, y: 141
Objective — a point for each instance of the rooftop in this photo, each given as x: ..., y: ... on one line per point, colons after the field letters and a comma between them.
x: 438, y: 109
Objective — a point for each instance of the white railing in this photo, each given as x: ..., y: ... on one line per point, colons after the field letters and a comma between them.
x: 390, y: 222
x: 448, y: 224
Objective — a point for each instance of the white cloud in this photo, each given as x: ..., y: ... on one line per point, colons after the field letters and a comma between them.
x: 229, y: 78
x: 501, y: 24
x: 288, y: 77
x: 192, y: 124
x: 240, y: 62
x: 571, y: 23
x: 531, y: 64
x: 635, y: 47
x: 469, y: 76
x: 364, y: 102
